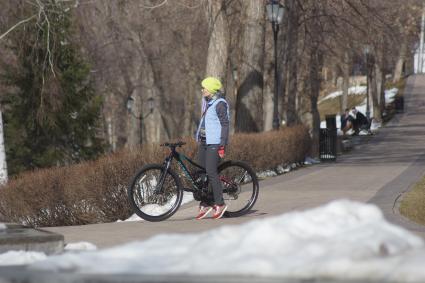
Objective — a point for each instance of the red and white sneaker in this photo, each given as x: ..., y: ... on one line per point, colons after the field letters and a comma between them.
x: 219, y: 211
x: 203, y: 211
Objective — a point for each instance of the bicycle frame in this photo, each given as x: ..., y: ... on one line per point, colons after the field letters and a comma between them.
x: 180, y: 160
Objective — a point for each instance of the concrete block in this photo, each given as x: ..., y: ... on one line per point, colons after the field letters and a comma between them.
x: 19, y: 237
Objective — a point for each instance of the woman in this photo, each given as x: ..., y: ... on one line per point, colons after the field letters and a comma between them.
x: 212, y: 136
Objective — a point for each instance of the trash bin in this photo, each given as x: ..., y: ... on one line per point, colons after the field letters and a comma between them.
x: 331, y: 122
x: 399, y: 104
x: 328, y: 140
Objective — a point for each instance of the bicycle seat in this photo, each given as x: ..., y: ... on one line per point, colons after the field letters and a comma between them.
x: 177, y: 144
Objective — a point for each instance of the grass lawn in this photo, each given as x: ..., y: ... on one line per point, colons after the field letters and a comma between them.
x: 332, y: 106
x: 413, y: 203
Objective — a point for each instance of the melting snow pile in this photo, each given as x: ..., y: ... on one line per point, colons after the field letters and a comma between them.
x: 343, y: 239
x: 80, y: 246
x: 355, y: 90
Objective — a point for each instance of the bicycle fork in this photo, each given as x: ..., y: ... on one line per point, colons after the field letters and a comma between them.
x: 166, y: 166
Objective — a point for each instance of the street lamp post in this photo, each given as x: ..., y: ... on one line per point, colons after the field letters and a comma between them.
x: 275, y: 15
x: 367, y: 51
x: 129, y: 106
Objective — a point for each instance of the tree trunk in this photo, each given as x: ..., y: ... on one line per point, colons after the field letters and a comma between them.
x: 369, y: 79
x: 380, y: 91
x: 315, y: 86
x: 249, y: 115
x: 382, y: 100
x: 382, y: 66
x: 191, y: 108
x: 3, y: 164
x: 283, y: 68
x: 376, y: 92
x: 291, y: 110
x: 315, y: 77
x: 218, y: 48
x: 268, y: 78
x: 335, y: 74
x: 346, y: 82
x: 398, y: 71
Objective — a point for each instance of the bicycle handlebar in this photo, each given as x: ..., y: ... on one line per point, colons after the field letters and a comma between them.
x: 177, y: 144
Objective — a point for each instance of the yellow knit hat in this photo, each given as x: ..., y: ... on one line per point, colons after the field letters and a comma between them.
x: 211, y: 84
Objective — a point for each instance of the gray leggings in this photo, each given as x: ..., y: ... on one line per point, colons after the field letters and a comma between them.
x: 208, y: 158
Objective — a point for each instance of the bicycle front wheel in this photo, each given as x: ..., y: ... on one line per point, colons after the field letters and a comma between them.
x: 240, y: 187
x: 154, y: 194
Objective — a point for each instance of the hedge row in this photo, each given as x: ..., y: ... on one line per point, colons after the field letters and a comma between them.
x: 95, y: 192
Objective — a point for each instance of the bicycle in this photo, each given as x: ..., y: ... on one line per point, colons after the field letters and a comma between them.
x: 156, y: 191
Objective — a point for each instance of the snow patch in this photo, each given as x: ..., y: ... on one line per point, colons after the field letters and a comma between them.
x: 3, y: 226
x: 80, y: 246
x: 375, y: 125
x: 280, y: 170
x: 157, y: 210
x: 355, y: 90
x: 310, y: 161
x: 390, y: 95
x: 341, y: 240
x: 265, y: 174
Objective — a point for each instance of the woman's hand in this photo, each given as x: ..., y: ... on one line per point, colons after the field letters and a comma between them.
x: 221, y: 152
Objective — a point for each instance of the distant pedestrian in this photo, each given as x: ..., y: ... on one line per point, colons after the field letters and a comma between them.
x: 361, y: 122
x: 212, y: 136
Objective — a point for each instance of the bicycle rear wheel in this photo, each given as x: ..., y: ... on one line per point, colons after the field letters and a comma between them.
x: 240, y: 187
x: 149, y: 199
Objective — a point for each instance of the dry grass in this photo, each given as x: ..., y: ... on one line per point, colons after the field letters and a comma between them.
x: 400, y: 85
x: 95, y: 192
x: 333, y: 106
x: 413, y: 203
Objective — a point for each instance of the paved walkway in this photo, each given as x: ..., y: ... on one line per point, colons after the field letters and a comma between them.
x: 377, y: 171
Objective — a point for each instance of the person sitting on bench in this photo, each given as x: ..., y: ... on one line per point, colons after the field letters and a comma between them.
x: 360, y: 121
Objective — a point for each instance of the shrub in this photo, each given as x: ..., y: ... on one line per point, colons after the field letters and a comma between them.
x: 95, y: 191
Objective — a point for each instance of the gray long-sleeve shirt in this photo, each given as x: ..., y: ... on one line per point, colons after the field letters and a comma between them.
x: 221, y: 109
